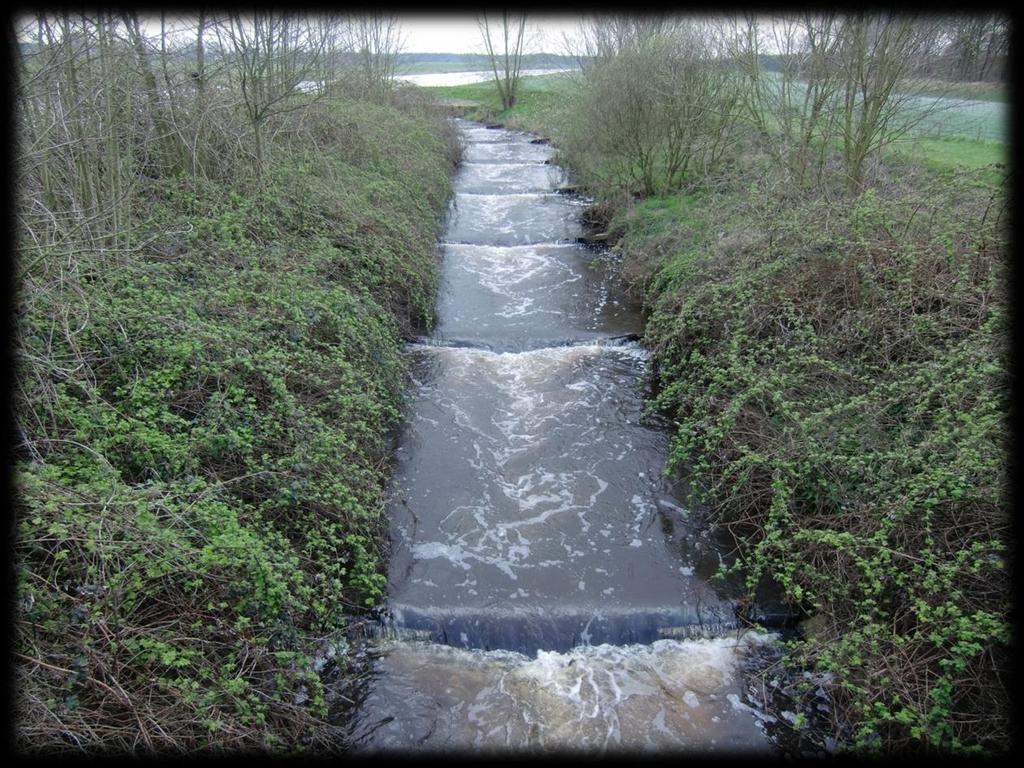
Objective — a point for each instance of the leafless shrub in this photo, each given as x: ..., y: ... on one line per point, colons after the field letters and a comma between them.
x: 658, y: 105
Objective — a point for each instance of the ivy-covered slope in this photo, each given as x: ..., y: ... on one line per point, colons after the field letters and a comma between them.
x: 836, y: 371
x: 205, y: 423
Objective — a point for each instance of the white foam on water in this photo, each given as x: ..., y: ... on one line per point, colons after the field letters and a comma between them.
x: 510, y: 198
x: 512, y: 219
x: 512, y: 264
x: 520, y: 275
x: 428, y: 550
x: 523, y: 411
x: 516, y: 152
x: 508, y: 177
x: 681, y: 694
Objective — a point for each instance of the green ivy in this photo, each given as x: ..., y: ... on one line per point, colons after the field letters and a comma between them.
x: 837, y: 380
x: 209, y: 501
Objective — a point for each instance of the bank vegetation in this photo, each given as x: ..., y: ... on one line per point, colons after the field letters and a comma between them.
x: 225, y: 229
x: 829, y: 331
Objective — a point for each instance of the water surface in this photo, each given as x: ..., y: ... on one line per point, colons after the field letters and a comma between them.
x: 547, y: 587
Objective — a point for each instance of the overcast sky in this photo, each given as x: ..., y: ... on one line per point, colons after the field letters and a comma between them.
x: 422, y: 32
x: 436, y: 33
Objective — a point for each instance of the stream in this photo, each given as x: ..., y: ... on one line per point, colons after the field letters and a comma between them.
x: 548, y: 589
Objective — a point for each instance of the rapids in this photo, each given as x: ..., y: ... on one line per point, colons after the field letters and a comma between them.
x: 547, y: 587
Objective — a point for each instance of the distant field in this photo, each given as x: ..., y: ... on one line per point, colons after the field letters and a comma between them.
x: 951, y: 132
x: 469, y: 77
x: 533, y: 88
x: 431, y: 67
x: 973, y: 91
x: 541, y: 98
x: 413, y: 64
x: 964, y: 110
x: 436, y: 63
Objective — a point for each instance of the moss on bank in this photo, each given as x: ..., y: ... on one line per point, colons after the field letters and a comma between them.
x: 205, y: 423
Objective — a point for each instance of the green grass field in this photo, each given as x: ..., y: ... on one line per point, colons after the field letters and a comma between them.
x: 541, y: 99
x: 954, y: 152
x: 960, y: 133
x: 432, y: 67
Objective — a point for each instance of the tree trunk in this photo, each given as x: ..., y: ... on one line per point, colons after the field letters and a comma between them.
x: 165, y: 135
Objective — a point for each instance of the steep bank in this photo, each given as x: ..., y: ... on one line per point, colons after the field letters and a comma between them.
x: 836, y: 369
x: 837, y: 376
x: 204, y: 423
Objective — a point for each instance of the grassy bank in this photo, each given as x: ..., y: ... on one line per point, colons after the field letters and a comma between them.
x: 542, y: 105
x: 204, y: 421
x: 836, y: 374
x: 835, y: 367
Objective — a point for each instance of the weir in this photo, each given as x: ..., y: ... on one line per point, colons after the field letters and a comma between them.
x: 547, y: 588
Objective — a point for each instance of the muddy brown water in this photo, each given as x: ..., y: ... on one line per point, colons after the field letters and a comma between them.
x: 547, y: 586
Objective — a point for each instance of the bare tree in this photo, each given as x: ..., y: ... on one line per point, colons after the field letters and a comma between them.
x: 978, y: 47
x: 791, y: 106
x: 377, y: 40
x: 165, y: 133
x: 272, y: 57
x: 200, y: 72
x: 658, y: 107
x: 505, y: 41
x: 877, y: 54
x: 849, y: 82
x: 337, y: 69
x: 79, y: 127
x: 601, y: 38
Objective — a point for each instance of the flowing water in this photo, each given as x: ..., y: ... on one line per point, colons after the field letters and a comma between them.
x: 547, y: 588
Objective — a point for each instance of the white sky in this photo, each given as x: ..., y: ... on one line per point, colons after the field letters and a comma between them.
x: 422, y: 32
x: 458, y: 33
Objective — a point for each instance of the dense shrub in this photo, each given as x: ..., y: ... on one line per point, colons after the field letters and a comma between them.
x: 655, y: 115
x: 836, y: 373
x: 205, y: 426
